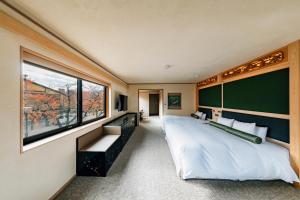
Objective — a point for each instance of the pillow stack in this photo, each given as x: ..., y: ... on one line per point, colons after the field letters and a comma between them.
x: 201, y: 115
x: 195, y: 116
x: 261, y: 132
x: 225, y: 121
x: 243, y: 127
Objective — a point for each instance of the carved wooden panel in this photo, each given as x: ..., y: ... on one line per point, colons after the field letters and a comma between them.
x: 266, y: 61
x: 208, y: 81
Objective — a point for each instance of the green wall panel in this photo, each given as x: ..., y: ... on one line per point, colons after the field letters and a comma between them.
x: 211, y: 96
x: 265, y: 93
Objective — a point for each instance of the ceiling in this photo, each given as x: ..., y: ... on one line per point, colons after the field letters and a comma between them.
x: 136, y: 39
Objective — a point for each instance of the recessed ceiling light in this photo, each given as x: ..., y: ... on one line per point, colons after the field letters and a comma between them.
x: 168, y: 66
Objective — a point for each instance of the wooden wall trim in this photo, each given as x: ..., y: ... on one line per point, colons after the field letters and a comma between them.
x: 210, y: 85
x: 258, y: 72
x: 39, y: 59
x: 21, y: 113
x: 15, y: 26
x: 209, y: 81
x: 278, y: 142
x: 157, y: 83
x: 196, y: 98
x: 108, y: 100
x: 209, y: 107
x: 265, y: 114
x: 18, y: 11
x: 257, y: 64
x: 294, y: 62
x: 252, y: 68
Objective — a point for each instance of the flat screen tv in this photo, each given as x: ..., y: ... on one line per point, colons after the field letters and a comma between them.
x: 122, y: 103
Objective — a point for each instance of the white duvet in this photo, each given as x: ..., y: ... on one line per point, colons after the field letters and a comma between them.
x: 206, y: 152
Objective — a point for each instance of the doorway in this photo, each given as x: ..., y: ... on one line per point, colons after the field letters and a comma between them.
x: 153, y: 104
x: 150, y: 102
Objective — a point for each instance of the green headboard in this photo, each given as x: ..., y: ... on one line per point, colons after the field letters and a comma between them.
x: 265, y: 93
x: 211, y: 96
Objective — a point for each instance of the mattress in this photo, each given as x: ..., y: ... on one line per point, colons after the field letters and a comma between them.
x: 202, y: 151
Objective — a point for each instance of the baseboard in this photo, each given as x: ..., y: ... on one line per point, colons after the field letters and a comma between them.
x: 62, y: 188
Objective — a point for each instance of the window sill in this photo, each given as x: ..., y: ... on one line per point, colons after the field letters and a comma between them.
x: 85, y: 128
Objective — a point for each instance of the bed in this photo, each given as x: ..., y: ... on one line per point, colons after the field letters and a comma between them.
x: 201, y: 151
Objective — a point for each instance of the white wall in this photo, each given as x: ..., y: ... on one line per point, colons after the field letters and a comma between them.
x: 144, y: 103
x: 187, y: 101
x: 40, y: 172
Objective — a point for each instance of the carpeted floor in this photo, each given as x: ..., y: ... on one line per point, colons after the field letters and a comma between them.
x: 145, y: 170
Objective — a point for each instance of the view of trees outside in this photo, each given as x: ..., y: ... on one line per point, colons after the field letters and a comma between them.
x: 93, y: 102
x: 49, y: 100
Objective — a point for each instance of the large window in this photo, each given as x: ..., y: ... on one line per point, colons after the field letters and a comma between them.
x: 54, y: 102
x: 93, y: 101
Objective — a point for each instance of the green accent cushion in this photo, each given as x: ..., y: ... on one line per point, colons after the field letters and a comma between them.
x: 246, y: 136
x: 220, y: 126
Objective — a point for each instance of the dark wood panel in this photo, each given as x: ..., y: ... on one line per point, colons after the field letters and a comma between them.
x: 98, y: 163
x: 277, y: 128
x: 211, y: 96
x: 264, y: 93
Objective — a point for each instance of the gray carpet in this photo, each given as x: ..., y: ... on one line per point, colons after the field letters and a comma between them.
x: 145, y: 170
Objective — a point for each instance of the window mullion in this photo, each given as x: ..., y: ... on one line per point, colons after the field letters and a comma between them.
x: 79, y: 100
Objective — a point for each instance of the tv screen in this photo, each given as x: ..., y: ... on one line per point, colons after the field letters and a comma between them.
x: 125, y: 104
x: 122, y: 103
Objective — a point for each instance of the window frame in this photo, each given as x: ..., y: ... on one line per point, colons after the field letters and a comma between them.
x: 40, y: 136
x: 81, y: 102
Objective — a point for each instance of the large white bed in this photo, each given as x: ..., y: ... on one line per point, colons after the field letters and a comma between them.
x: 202, y: 151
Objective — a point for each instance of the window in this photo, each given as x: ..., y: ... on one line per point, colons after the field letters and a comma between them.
x: 93, y: 101
x: 54, y: 102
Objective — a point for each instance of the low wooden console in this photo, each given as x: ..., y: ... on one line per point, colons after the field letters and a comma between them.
x: 96, y: 151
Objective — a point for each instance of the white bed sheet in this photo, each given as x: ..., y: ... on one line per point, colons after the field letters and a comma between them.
x: 205, y: 152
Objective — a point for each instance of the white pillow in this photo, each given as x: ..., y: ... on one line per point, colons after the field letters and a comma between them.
x: 261, y: 132
x: 225, y: 121
x: 203, y: 116
x: 245, y: 127
x: 199, y: 114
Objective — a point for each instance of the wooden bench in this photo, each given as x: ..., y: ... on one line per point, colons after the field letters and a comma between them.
x: 98, y: 149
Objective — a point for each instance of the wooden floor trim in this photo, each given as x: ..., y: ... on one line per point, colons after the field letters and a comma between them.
x: 53, y: 197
